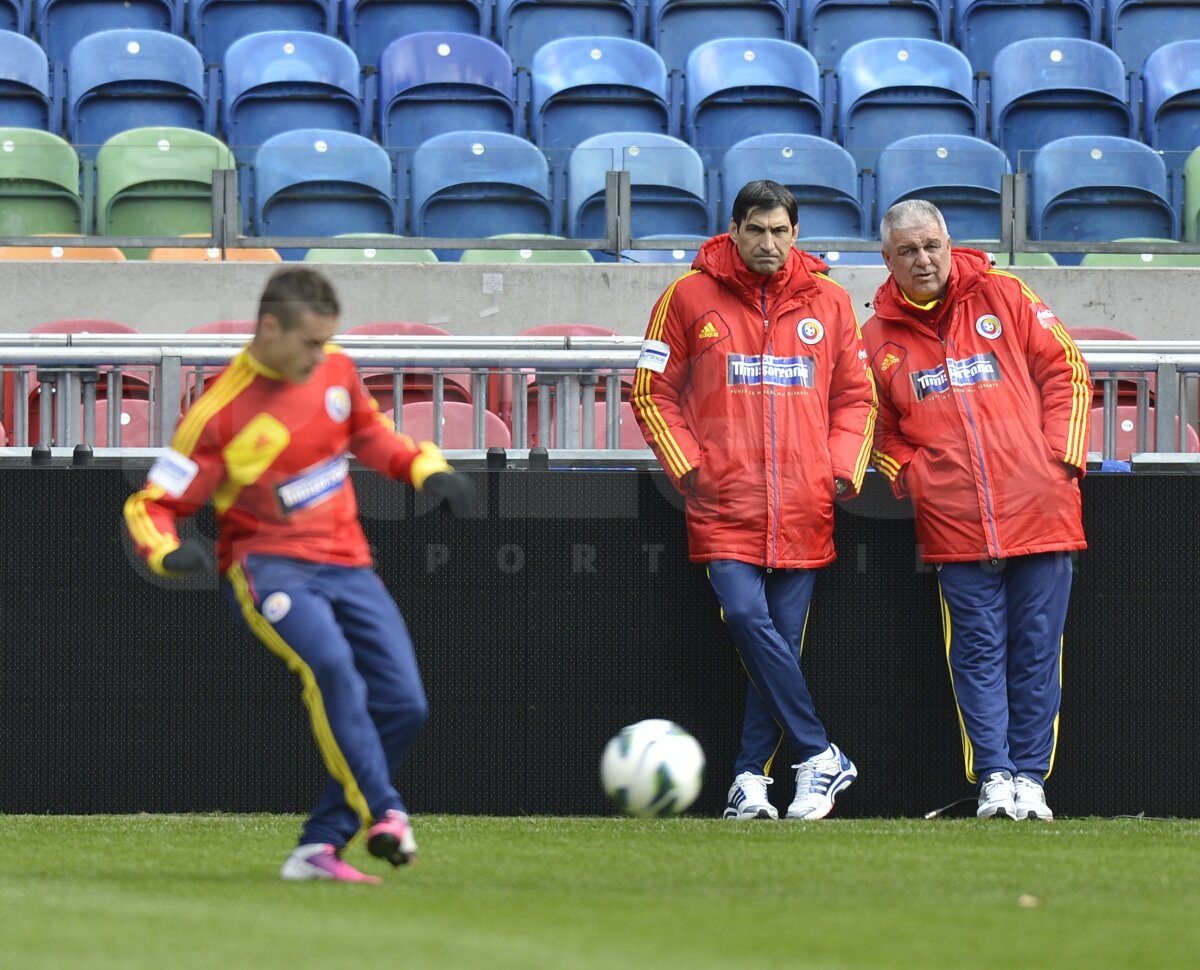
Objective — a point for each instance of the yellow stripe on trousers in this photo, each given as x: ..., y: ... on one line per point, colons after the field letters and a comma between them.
x: 968, y: 750
x: 335, y: 760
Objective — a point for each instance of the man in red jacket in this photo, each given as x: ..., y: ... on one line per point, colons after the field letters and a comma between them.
x: 753, y: 391
x: 983, y: 422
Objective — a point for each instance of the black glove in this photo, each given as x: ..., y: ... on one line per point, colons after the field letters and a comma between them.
x: 457, y: 491
x: 188, y: 558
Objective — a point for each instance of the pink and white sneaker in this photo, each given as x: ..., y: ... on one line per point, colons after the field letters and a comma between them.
x: 391, y: 838
x: 319, y: 860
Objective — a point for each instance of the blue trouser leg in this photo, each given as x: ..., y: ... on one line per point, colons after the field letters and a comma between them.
x: 338, y: 629
x: 1039, y: 588
x: 765, y: 612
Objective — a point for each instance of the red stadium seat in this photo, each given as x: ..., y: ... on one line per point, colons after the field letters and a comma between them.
x: 631, y: 432
x: 192, y: 386
x: 1127, y: 384
x: 418, y: 385
x: 135, y: 424
x: 226, y: 327
x: 458, y: 425
x: 1127, y: 433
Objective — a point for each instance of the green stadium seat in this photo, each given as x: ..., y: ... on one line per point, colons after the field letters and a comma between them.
x: 1138, y: 260
x: 369, y: 254
x: 39, y: 185
x: 1019, y: 259
x: 1191, y: 199
x: 525, y: 255
x: 157, y: 182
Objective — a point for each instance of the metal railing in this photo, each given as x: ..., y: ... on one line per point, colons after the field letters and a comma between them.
x: 547, y: 388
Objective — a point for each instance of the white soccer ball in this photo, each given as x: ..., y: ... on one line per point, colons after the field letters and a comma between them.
x: 652, y: 769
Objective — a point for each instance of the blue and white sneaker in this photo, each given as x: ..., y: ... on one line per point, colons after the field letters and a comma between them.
x: 818, y: 782
x: 748, y: 797
x: 1030, y: 800
x: 997, y: 796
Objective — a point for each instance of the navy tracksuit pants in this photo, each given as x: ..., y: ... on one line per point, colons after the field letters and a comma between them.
x: 1004, y: 624
x: 766, y: 611
x: 338, y: 628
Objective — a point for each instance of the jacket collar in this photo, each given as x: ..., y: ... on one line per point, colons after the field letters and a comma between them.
x: 793, y: 285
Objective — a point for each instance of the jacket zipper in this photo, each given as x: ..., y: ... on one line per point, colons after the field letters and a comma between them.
x: 989, y: 513
x: 774, y: 539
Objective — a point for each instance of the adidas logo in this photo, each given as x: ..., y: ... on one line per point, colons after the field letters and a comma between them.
x: 708, y: 331
x: 889, y: 361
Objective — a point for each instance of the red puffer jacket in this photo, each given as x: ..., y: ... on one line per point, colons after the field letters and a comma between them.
x: 760, y: 383
x: 986, y: 426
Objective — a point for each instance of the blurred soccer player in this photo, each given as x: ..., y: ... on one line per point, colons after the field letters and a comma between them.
x: 268, y: 442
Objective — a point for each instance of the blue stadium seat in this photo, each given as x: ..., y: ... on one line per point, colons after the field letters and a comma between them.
x: 14, y: 16
x: 25, y: 100
x: 829, y: 28
x: 1045, y: 88
x: 122, y: 79
x: 676, y: 27
x: 434, y: 82
x: 281, y: 80
x: 1087, y: 187
x: 583, y: 86
x: 480, y: 183
x: 1171, y: 100
x: 895, y: 84
x: 370, y: 25
x: 821, y: 174
x: 666, y: 184
x: 318, y: 182
x: 62, y: 23
x: 960, y: 175
x: 982, y: 27
x: 742, y: 86
x: 523, y: 26
x: 216, y: 24
x: 1135, y: 28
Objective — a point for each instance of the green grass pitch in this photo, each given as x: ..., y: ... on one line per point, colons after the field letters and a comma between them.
x: 186, y: 891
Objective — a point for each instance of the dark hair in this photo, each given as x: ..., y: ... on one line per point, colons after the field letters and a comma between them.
x: 763, y: 194
x: 294, y: 291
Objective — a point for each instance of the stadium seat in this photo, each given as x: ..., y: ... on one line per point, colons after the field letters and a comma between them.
x: 229, y: 327
x: 1127, y: 383
x: 1016, y: 259
x: 523, y: 26
x: 525, y: 255
x: 25, y: 100
x: 738, y: 87
x: 157, y: 182
x: 1171, y: 98
x: 1135, y: 28
x: 821, y: 174
x: 1127, y: 433
x: 902, y: 84
x: 315, y: 182
x: 83, y: 326
x: 232, y: 254
x: 829, y: 28
x: 676, y: 27
x: 839, y: 258
x: 672, y: 256
x: 458, y: 425
x: 958, y: 174
x: 666, y: 184
x: 584, y: 86
x: 1143, y: 260
x: 215, y: 24
x: 39, y: 185
x: 480, y: 183
x: 61, y: 24
x: 630, y: 432
x: 417, y: 385
x: 1048, y: 88
x: 432, y: 83
x: 369, y: 254
x: 14, y: 16
x: 284, y: 80
x: 370, y: 25
x: 982, y: 27
x: 1102, y: 188
x: 135, y: 423
x: 64, y: 254
x: 1191, y: 197
x: 122, y: 79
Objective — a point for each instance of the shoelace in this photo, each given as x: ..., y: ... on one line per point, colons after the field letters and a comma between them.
x: 754, y: 788
x: 813, y: 778
x: 1029, y: 790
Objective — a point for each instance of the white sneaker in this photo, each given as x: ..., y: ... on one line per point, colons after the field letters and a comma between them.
x: 997, y: 795
x: 748, y: 797
x: 319, y: 860
x: 1031, y: 800
x: 818, y: 781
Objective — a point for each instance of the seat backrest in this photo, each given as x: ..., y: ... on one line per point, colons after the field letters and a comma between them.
x: 215, y: 25
x: 234, y: 254
x: 370, y: 25
x: 1143, y: 260
x: 28, y: 155
x: 625, y: 74
x: 24, y: 83
x: 61, y: 24
x: 14, y: 16
x: 982, y: 27
x: 630, y: 432
x: 134, y: 419
x: 567, y: 330
x: 458, y: 425
x: 525, y: 255
x: 63, y: 253
x: 396, y: 328
x: 1100, y: 333
x: 368, y: 254
x: 676, y: 27
x: 1191, y: 197
x: 829, y: 28
x: 1127, y: 433
x: 225, y: 327
x: 523, y: 26
x: 1135, y: 28
x: 82, y: 326
x: 1171, y: 83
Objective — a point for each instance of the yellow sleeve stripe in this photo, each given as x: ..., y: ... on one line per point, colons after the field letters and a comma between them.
x: 228, y: 386
x: 660, y: 312
x: 142, y: 527
x: 887, y: 465
x: 1029, y: 294
x: 1075, y: 451
x: 864, y: 454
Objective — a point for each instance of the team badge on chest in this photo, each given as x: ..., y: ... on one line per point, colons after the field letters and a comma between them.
x: 810, y: 330
x: 988, y: 326
x: 337, y: 403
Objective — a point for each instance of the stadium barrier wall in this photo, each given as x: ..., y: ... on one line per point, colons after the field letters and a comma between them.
x: 505, y: 299
x: 564, y: 611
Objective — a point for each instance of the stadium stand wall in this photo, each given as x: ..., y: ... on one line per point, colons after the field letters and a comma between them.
x: 506, y: 299
x: 565, y: 612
